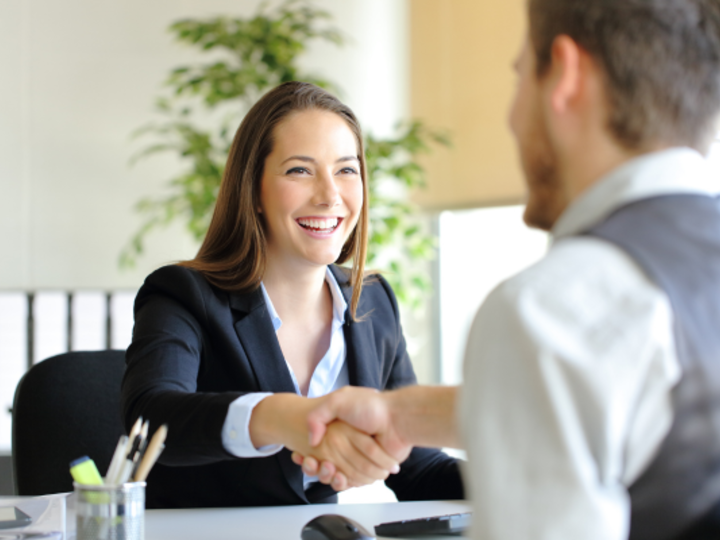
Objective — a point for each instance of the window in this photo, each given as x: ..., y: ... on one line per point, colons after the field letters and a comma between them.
x: 478, y: 249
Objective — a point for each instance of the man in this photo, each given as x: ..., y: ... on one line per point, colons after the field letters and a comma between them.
x: 591, y: 403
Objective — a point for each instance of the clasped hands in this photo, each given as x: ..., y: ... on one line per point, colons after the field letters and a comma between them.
x: 354, y: 436
x: 353, y: 439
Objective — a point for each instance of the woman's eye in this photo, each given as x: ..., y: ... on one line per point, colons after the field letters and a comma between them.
x: 298, y: 170
x: 348, y: 170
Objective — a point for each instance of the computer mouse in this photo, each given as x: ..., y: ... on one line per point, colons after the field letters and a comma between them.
x: 334, y: 527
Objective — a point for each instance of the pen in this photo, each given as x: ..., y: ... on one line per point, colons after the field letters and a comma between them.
x: 125, y: 470
x: 128, y: 465
x: 134, y: 432
x: 116, y: 459
x: 139, y: 442
x: 141, y: 449
x: 137, y: 426
x: 154, y: 449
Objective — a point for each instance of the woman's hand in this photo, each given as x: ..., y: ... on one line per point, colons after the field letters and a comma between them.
x: 282, y: 419
x: 325, y: 471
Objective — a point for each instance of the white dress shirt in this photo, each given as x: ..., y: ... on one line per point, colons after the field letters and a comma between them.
x: 329, y: 375
x: 569, y: 369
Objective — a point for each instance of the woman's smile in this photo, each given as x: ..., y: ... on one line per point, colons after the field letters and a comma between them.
x: 319, y: 227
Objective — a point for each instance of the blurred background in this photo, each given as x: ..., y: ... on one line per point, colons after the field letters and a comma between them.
x: 430, y: 80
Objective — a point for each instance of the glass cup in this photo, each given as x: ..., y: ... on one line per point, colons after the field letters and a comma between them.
x: 110, y: 512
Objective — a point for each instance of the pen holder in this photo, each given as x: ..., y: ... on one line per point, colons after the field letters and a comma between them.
x: 110, y: 512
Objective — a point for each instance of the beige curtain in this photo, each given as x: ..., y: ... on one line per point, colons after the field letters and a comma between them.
x: 462, y: 80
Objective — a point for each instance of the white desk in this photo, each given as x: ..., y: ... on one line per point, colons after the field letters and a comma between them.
x: 279, y: 522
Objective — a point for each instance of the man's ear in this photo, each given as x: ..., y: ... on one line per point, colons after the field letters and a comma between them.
x: 566, y: 73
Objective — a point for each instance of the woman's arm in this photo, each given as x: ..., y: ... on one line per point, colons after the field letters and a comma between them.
x: 163, y: 364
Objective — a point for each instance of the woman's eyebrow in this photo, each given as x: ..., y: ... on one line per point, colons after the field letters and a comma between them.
x: 299, y: 158
x: 308, y: 159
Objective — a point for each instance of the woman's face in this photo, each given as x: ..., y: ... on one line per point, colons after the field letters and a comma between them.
x: 311, y: 191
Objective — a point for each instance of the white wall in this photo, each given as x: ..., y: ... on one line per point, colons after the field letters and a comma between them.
x: 78, y: 76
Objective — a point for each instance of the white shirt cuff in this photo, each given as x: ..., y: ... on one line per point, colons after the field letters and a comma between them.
x: 236, y: 429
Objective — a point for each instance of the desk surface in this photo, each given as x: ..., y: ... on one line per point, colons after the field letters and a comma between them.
x: 280, y: 522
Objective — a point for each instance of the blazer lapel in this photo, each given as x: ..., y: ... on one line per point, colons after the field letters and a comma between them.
x: 257, y: 335
x: 362, y: 359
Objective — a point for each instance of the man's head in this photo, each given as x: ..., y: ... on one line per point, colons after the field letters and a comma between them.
x: 657, y: 67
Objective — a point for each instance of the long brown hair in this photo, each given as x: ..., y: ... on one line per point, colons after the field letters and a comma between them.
x: 233, y: 254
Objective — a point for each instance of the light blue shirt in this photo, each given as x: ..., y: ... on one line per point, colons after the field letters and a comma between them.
x: 329, y: 375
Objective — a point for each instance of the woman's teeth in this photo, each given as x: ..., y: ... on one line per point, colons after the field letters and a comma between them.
x: 319, y: 225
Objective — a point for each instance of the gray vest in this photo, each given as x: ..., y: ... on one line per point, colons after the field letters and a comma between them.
x: 676, y: 240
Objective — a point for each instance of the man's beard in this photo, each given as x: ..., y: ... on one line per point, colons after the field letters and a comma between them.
x: 546, y: 199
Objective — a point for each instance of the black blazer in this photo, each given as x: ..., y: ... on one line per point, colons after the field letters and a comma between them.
x: 197, y: 348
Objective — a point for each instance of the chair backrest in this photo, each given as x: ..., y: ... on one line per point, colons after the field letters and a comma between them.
x: 65, y: 407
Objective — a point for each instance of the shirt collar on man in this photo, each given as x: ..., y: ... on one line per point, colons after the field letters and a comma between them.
x: 339, y: 303
x: 673, y: 171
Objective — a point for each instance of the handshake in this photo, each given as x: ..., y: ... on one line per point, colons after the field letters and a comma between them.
x: 355, y: 436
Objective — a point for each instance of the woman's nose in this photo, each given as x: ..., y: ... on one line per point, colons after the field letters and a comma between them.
x: 326, y: 191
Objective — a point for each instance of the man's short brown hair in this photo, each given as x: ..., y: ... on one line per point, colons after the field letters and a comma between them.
x: 661, y: 59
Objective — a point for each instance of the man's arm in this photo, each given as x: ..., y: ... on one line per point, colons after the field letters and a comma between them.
x: 425, y: 415
x: 415, y: 415
x: 398, y: 419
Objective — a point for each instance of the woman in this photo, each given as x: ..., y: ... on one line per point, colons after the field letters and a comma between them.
x: 227, y: 347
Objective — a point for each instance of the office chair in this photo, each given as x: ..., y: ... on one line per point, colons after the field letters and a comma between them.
x: 65, y: 407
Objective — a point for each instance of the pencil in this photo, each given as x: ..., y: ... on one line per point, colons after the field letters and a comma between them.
x: 151, y: 454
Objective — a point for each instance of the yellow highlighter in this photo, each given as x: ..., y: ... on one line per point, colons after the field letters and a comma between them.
x: 84, y: 471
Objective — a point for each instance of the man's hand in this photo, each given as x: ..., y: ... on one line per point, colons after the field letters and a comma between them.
x: 325, y: 471
x: 427, y: 413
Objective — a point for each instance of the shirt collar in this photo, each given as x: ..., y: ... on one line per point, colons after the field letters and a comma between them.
x: 339, y: 303
x: 673, y: 171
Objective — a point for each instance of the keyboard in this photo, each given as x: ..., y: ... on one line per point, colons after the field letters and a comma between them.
x: 450, y: 525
